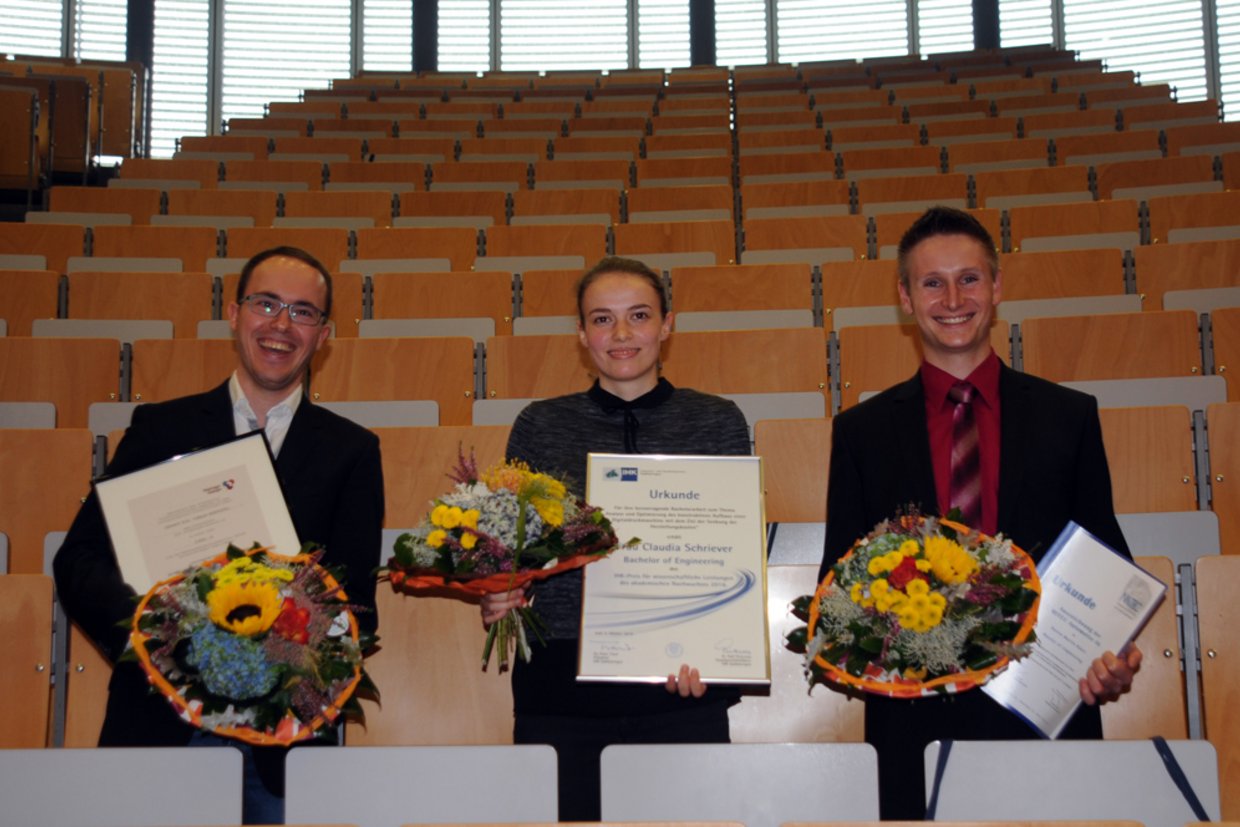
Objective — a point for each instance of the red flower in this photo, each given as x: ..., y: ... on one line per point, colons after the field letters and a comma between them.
x: 902, y: 575
x: 292, y: 622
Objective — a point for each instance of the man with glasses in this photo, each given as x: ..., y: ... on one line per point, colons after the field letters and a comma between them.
x: 329, y: 469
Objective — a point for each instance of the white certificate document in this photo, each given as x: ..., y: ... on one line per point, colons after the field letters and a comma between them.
x: 693, y: 590
x: 1093, y: 600
x: 180, y: 512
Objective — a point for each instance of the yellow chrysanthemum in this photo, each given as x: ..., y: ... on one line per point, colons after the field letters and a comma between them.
x: 451, y: 518
x: 922, y: 564
x: 551, y: 511
x: 916, y: 674
x: 879, y: 587
x: 909, y: 548
x: 468, y: 540
x: 248, y: 570
x: 438, y: 514
x: 948, y: 560
x: 245, y: 609
x: 917, y: 587
x: 436, y: 538
x: 469, y: 519
x: 856, y: 592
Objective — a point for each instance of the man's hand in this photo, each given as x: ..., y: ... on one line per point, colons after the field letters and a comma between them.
x: 495, y: 606
x: 1110, y: 676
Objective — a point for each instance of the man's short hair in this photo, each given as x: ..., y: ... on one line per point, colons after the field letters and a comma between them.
x: 945, y: 221
x: 290, y: 252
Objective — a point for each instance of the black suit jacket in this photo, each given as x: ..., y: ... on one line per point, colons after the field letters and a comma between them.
x: 1052, y: 469
x: 332, y: 478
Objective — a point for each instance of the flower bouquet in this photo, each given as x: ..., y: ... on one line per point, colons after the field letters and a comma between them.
x: 919, y: 606
x: 253, y: 645
x: 494, y: 532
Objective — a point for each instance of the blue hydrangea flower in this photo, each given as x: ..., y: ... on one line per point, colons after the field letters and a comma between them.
x: 232, y: 667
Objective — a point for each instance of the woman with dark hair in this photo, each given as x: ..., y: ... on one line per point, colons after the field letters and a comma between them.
x: 622, y: 320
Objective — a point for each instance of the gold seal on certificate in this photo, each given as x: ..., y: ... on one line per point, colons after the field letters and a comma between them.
x: 693, y: 590
x: 177, y: 513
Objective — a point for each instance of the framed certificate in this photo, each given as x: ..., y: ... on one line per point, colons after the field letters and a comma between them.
x: 179, y: 512
x: 693, y: 590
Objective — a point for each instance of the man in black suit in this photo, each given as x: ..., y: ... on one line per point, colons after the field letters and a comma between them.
x: 329, y: 469
x: 1042, y: 463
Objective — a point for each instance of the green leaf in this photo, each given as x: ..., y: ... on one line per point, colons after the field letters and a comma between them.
x: 797, y: 640
x: 801, y: 606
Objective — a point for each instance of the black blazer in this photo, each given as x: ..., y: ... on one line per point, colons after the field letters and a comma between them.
x: 332, y: 478
x: 1052, y: 469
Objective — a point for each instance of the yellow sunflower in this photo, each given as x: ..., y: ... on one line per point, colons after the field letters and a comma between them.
x: 245, y: 609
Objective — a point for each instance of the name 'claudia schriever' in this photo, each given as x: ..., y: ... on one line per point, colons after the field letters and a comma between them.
x: 664, y: 494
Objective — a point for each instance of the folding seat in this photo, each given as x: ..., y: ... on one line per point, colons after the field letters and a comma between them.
x: 491, y: 148
x: 588, y: 148
x: 1161, y: 176
x: 1108, y: 148
x: 165, y: 369
x: 504, y: 176
x: 953, y: 133
x: 201, y: 174
x: 780, y: 141
x: 687, y: 203
x: 795, y: 199
x: 398, y: 109
x: 716, y: 238
x: 549, y: 292
x: 1223, y: 424
x: 309, y: 109
x: 26, y: 295
x: 988, y: 156
x: 589, y: 241
x: 742, y: 287
x: 431, y: 641
x: 1057, y: 124
x: 1163, y: 115
x: 860, y: 116
x: 760, y: 120
x: 1217, y: 579
x: 1121, y: 346
x: 1225, y: 324
x: 1203, y: 139
x: 749, y: 361
x: 259, y: 208
x: 26, y: 645
x: 181, y: 298
x: 676, y: 172
x: 358, y: 369
x: 55, y: 475
x: 360, y: 128
x: 1124, y: 97
x: 138, y: 204
x: 269, y: 127
x: 1009, y: 188
x: 715, y: 122
x: 455, y: 109
x: 1113, y: 224
x: 446, y: 209
x: 1062, y: 274
x: 568, y: 206
x: 886, y: 136
x: 280, y: 176
x: 714, y: 145
x: 192, y: 246
x: 877, y: 163
x: 933, y: 92
x: 224, y: 146
x: 405, y: 150
x: 1150, y: 454
x: 529, y: 367
x: 330, y: 207
x: 457, y: 245
x: 913, y: 192
x: 857, y: 284
x: 604, y: 125
x: 612, y: 174
x: 838, y: 237
x: 787, y: 168
x: 1194, y: 265
x: 445, y: 295
x: 1040, y: 103
x: 323, y: 150
x: 327, y: 245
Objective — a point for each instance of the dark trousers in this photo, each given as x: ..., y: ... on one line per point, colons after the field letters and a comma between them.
x: 579, y: 741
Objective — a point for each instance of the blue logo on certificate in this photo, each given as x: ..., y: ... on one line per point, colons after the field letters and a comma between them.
x: 628, y: 475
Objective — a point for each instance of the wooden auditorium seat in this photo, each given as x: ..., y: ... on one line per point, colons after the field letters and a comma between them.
x: 192, y: 172
x: 259, y: 207
x: 181, y: 298
x: 912, y: 193
x: 1030, y: 186
x: 1225, y: 328
x: 589, y: 241
x: 439, y: 369
x: 445, y: 295
x: 1150, y: 454
x: 328, y: 245
x: 1121, y: 346
x: 1076, y: 226
x: 26, y: 649
x: 430, y: 643
x: 1056, y: 274
x: 191, y: 245
x: 375, y: 205
x: 459, y: 245
x: 847, y: 284
x: 165, y: 369
x: 70, y: 373
x: 138, y: 204
x: 56, y: 243
x: 796, y: 454
x: 839, y: 238
x: 794, y: 198
x: 1223, y: 422
x: 742, y: 287
x: 1161, y: 176
x: 687, y: 203
x: 26, y: 295
x: 1194, y: 265
x: 277, y: 176
x: 717, y: 238
x: 55, y: 474
x: 1218, y: 578
x: 1194, y: 217
x: 531, y: 367
x: 749, y: 361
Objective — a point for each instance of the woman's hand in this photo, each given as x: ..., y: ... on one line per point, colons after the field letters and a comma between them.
x: 495, y: 606
x: 687, y: 683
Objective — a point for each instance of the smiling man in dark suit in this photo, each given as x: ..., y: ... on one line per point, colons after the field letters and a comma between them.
x: 329, y: 469
x: 1033, y: 461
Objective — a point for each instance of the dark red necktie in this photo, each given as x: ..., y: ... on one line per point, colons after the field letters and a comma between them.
x: 966, y: 467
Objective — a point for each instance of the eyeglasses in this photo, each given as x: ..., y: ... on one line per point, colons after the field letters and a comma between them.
x: 270, y: 307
